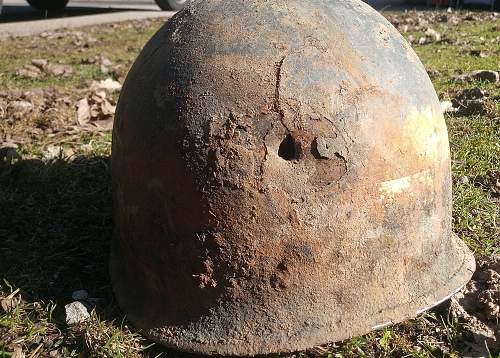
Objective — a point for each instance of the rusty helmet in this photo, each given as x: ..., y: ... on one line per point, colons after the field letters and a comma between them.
x: 281, y: 180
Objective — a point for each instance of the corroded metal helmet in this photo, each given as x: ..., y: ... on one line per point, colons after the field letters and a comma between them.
x: 281, y: 180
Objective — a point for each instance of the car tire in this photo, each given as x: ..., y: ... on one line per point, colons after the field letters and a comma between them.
x: 172, y: 5
x: 48, y: 5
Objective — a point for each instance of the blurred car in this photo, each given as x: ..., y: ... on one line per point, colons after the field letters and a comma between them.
x: 58, y: 5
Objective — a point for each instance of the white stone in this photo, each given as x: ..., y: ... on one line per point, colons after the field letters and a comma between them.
x: 76, y: 313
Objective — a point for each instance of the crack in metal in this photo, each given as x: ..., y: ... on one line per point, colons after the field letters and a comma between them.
x: 277, y: 101
x: 278, y: 110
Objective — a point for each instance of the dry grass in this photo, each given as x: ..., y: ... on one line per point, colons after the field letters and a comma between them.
x: 56, y: 208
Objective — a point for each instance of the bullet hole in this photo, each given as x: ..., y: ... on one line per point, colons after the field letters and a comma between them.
x: 315, y: 151
x: 288, y: 148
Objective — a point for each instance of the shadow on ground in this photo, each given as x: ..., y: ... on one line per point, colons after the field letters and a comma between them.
x: 55, y: 231
x: 56, y: 224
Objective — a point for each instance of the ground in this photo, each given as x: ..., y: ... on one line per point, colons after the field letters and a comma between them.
x: 56, y: 113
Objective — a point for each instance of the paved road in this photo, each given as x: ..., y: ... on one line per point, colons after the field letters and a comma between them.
x: 19, y: 10
x: 115, y: 4
x: 19, y: 19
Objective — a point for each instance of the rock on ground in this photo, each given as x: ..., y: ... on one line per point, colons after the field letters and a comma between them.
x: 19, y: 108
x: 471, y: 101
x: 76, y: 313
x: 80, y: 295
x: 477, y: 306
x: 480, y: 75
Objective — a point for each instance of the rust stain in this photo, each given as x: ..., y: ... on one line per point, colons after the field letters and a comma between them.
x: 277, y: 184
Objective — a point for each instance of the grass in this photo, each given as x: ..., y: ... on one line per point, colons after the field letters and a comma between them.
x: 474, y: 139
x: 56, y: 214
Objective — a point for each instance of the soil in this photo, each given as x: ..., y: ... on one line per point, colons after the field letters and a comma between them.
x: 477, y: 307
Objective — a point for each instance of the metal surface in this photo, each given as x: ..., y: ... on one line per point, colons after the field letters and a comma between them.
x: 281, y: 180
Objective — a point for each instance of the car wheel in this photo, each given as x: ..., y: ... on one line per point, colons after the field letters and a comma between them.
x: 48, y: 5
x: 172, y: 5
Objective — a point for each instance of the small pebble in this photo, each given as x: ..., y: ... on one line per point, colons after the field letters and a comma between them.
x: 80, y: 295
x: 76, y: 313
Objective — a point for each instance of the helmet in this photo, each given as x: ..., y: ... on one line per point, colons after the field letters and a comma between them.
x: 281, y: 180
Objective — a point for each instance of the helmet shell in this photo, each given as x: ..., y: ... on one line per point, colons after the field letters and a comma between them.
x: 281, y: 179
